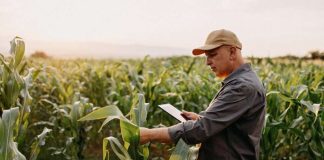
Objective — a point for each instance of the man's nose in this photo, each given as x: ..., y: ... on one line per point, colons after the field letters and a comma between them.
x: 208, y: 61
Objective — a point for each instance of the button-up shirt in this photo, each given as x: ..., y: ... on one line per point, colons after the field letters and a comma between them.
x: 230, y: 128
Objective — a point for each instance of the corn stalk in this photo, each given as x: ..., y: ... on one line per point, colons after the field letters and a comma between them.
x: 131, y: 149
x: 14, y: 101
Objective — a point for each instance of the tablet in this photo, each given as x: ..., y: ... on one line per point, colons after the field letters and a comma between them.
x: 172, y: 111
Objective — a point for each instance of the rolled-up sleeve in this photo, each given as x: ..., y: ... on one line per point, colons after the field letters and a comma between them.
x: 227, y: 108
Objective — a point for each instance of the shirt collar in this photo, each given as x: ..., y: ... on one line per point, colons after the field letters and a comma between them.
x: 238, y: 71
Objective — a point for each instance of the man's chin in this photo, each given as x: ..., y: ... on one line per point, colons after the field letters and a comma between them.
x: 221, y: 75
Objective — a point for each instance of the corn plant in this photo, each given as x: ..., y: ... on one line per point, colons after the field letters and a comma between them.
x: 131, y: 149
x: 293, y: 126
x: 64, y: 123
x: 39, y: 141
x: 15, y: 102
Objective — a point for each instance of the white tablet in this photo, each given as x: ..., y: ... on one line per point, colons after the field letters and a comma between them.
x: 173, y: 111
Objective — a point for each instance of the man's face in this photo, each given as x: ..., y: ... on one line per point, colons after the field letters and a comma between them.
x: 219, y: 60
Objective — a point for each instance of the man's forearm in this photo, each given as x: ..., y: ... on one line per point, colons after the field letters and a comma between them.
x: 154, y: 135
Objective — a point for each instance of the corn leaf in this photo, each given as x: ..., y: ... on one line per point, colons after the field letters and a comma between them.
x: 311, y: 107
x: 181, y: 151
x: 116, y: 146
x: 296, y: 122
x: 8, y: 148
x: 102, y: 113
x: 40, y: 141
x: 19, y: 51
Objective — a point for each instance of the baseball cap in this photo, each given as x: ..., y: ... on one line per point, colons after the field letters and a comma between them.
x: 216, y: 39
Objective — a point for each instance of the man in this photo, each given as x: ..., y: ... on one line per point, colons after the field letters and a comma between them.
x: 230, y: 128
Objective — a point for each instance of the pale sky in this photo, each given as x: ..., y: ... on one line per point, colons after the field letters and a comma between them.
x: 88, y: 27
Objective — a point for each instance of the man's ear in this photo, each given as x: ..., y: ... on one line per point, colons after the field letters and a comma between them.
x: 232, y: 53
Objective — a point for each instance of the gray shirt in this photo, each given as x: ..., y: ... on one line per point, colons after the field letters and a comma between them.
x: 230, y: 128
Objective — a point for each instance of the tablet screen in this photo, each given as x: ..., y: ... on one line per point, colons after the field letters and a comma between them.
x: 172, y: 111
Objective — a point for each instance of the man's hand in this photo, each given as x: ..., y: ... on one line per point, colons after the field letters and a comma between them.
x: 190, y: 115
x: 155, y: 134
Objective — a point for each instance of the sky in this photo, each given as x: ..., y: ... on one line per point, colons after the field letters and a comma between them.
x: 134, y: 28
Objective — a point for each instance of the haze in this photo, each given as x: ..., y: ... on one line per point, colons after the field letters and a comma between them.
x: 135, y: 28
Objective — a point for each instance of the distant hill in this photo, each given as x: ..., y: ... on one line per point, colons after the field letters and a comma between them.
x: 101, y: 50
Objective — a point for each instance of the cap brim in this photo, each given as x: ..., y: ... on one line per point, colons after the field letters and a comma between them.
x: 203, y: 49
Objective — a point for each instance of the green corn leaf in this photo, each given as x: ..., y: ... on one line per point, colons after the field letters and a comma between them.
x: 181, y: 151
x: 19, y: 51
x: 7, y: 69
x: 8, y: 148
x: 266, y: 120
x: 300, y: 90
x: 130, y: 132
x: 116, y: 146
x: 107, y: 120
x: 141, y: 111
x: 296, y: 122
x: 74, y: 114
x: 102, y: 113
x: 135, y: 116
x: 130, y: 135
x: 13, y: 46
x: 284, y: 113
x: 299, y: 133
x: 313, y: 152
x: 40, y: 141
x: 285, y: 97
x: 27, y: 83
x: 11, y: 90
x: 272, y: 92
x: 311, y: 107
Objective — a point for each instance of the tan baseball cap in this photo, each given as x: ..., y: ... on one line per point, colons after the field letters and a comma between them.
x: 216, y: 39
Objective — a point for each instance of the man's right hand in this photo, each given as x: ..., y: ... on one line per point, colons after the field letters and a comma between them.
x: 155, y: 134
x: 190, y: 115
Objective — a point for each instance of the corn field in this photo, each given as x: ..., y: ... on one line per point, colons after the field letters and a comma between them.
x: 92, y: 109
